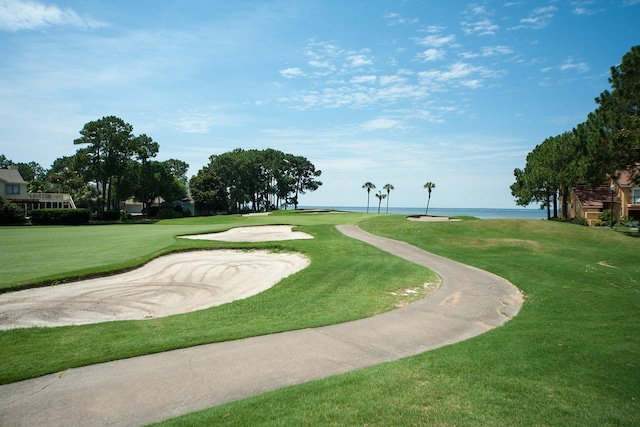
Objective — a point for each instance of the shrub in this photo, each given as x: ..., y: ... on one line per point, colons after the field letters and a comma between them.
x: 10, y: 213
x: 110, y: 216
x: 578, y: 220
x: 628, y: 221
x: 604, y: 218
x: 168, y: 213
x: 60, y: 216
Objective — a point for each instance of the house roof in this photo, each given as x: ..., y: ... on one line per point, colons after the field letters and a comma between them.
x: 11, y: 176
x: 627, y: 177
x: 594, y: 197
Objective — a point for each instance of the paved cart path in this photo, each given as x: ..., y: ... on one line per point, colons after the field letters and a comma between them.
x: 145, y: 389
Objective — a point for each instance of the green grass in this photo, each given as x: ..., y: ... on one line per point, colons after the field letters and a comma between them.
x: 570, y: 357
x: 45, y: 255
x: 346, y: 280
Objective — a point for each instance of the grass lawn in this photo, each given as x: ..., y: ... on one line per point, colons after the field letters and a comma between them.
x: 346, y: 280
x: 569, y: 358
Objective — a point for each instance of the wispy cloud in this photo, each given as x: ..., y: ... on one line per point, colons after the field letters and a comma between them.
x: 16, y: 15
x: 397, y: 19
x: 290, y: 73
x: 570, y: 65
x: 381, y: 123
x: 364, y: 79
x: 359, y: 60
x: 584, y: 7
x: 459, y: 73
x: 430, y: 55
x: 538, y: 19
x: 484, y: 27
x: 488, y: 51
x: 434, y: 40
x: 478, y: 21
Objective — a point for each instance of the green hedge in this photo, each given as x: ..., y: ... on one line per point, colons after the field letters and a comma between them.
x: 60, y: 216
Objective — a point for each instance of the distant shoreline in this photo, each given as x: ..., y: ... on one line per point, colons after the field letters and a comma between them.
x: 482, y: 213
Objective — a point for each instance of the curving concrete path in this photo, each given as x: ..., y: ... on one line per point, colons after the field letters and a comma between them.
x: 145, y: 389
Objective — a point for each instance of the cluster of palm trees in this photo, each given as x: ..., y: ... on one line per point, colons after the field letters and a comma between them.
x: 388, y: 187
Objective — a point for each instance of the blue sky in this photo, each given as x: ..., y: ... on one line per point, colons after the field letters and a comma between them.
x: 401, y: 92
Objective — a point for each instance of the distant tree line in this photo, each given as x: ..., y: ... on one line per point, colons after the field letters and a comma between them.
x: 606, y: 144
x: 114, y: 165
x: 253, y: 180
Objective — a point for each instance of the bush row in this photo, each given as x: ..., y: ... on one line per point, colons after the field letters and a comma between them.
x: 60, y: 216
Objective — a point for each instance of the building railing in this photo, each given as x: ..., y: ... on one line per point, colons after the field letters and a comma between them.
x: 51, y: 197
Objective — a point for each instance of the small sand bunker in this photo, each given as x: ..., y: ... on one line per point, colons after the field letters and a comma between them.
x: 168, y: 285
x: 264, y: 233
x: 431, y: 218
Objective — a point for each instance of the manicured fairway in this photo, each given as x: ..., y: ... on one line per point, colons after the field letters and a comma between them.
x: 346, y: 280
x: 570, y: 357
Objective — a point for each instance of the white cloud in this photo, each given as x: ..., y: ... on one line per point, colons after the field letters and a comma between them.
x: 430, y: 55
x: 538, y: 19
x: 437, y: 40
x: 478, y: 21
x: 291, y: 73
x: 358, y: 60
x: 397, y: 19
x: 18, y: 15
x: 484, y: 27
x: 381, y: 123
x: 488, y: 51
x: 454, y: 72
x: 363, y: 79
x: 387, y: 80
x: 496, y: 50
x: 434, y: 29
x: 320, y: 64
x: 584, y: 8
x: 569, y: 65
x: 583, y: 11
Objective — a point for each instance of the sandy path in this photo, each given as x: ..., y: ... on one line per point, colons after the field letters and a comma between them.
x: 168, y: 285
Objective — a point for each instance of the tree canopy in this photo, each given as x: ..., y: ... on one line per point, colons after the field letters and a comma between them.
x: 253, y: 180
x: 119, y: 164
x: 606, y: 144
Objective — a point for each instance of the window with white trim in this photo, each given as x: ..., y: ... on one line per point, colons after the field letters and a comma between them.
x: 635, y: 196
x: 12, y: 189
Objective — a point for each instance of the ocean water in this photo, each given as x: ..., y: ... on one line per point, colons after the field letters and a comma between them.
x: 482, y: 213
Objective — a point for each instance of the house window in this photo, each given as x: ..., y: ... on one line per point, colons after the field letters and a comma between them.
x: 635, y: 197
x: 12, y: 189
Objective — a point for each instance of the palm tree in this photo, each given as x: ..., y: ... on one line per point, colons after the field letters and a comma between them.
x: 368, y: 186
x: 380, y: 196
x: 429, y: 186
x: 388, y: 187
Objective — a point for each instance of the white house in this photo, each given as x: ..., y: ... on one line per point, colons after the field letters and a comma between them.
x: 14, y: 188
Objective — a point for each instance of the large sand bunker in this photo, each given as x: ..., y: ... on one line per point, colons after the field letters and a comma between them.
x: 264, y: 233
x: 172, y: 284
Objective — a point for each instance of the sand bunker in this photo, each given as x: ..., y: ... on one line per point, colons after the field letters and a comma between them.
x: 168, y: 285
x: 265, y: 233
x: 431, y: 218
